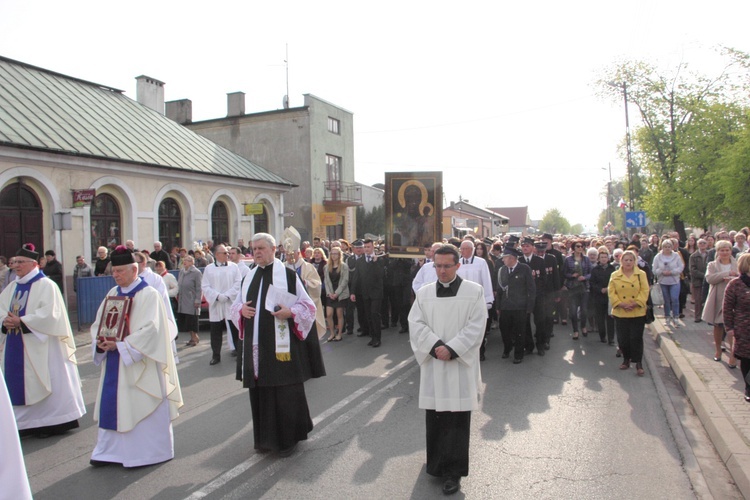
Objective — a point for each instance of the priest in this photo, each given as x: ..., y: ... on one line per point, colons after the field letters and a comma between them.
x: 37, y: 351
x: 13, y: 477
x: 139, y: 391
x: 446, y: 328
x: 276, y: 319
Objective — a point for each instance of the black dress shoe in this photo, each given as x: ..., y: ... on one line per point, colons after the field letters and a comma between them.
x: 363, y: 335
x: 517, y: 361
x: 233, y: 353
x: 215, y: 361
x: 481, y: 357
x: 451, y: 485
x: 350, y: 332
x: 359, y: 329
x: 287, y: 451
x: 505, y: 355
x: 546, y: 346
x: 404, y: 330
x: 370, y: 343
x: 540, y: 352
x: 376, y: 344
x: 100, y: 463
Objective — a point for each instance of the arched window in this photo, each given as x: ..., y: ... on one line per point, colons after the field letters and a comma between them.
x: 106, y: 225
x: 261, y: 221
x: 21, y: 217
x: 170, y: 224
x: 220, y: 223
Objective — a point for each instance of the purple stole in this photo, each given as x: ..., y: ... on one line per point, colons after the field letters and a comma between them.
x: 108, y: 405
x: 14, y: 351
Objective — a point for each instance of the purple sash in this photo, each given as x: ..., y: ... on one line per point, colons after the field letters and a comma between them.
x: 108, y: 406
x: 14, y: 349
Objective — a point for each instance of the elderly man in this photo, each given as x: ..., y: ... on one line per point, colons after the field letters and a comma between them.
x: 426, y: 273
x: 275, y: 316
x: 517, y: 295
x: 220, y: 285
x: 38, y: 352
x: 82, y: 270
x: 307, y: 273
x: 446, y: 325
x: 139, y: 391
x: 160, y: 254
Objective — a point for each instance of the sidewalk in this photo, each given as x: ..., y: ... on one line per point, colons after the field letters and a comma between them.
x: 715, y: 391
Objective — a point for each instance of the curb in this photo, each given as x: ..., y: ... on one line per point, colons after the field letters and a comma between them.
x: 729, y: 444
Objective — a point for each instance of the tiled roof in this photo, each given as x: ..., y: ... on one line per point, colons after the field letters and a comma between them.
x: 47, y: 111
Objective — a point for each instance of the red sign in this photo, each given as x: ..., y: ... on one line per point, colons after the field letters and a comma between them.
x: 83, y: 197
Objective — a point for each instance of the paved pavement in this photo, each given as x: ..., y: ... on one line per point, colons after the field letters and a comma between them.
x: 715, y: 391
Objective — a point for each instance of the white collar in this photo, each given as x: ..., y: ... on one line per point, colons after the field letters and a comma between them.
x: 29, y: 276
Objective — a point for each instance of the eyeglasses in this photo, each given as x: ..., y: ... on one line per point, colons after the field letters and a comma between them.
x: 444, y: 266
x: 23, y: 261
x: 579, y: 246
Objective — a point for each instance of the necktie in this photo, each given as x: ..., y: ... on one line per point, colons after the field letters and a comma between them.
x: 368, y: 258
x: 465, y: 261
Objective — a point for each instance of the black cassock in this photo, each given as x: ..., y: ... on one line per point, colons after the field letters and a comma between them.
x: 281, y: 416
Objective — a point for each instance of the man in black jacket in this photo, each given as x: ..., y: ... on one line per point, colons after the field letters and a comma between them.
x: 551, y: 283
x: 160, y: 254
x: 536, y: 264
x: 367, y: 287
x: 53, y: 269
x: 516, y: 294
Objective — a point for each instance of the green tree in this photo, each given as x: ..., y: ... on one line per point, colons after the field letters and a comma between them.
x: 554, y: 222
x: 681, y: 116
x: 576, y: 229
x: 371, y: 222
x: 733, y: 176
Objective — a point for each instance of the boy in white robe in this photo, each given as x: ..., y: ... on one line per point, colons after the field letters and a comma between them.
x: 446, y: 328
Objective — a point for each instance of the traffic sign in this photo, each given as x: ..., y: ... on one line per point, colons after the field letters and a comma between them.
x: 635, y: 219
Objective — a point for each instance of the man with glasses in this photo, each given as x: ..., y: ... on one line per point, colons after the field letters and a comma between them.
x: 38, y: 352
x: 220, y: 286
x: 446, y: 328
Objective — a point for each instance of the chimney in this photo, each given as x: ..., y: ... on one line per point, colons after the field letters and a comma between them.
x: 150, y: 92
x: 180, y: 111
x: 235, y: 104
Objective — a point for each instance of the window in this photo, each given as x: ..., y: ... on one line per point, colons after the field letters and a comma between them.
x: 333, y: 126
x: 220, y: 223
x: 333, y: 163
x: 170, y: 224
x: 261, y: 221
x: 105, y: 223
x: 21, y: 219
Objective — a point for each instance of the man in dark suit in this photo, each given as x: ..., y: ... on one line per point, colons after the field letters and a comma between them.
x: 551, y: 283
x: 358, y: 249
x: 536, y: 264
x: 160, y: 254
x: 516, y: 295
x: 368, y: 288
x: 561, y: 305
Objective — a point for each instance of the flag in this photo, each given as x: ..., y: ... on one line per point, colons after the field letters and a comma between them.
x: 622, y: 203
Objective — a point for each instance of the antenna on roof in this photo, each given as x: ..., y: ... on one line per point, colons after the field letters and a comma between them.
x: 286, y: 64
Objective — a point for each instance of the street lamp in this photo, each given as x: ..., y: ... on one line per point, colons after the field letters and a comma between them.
x: 609, y: 193
x: 624, y: 87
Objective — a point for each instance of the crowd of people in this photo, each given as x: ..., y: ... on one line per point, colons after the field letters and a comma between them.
x: 523, y: 286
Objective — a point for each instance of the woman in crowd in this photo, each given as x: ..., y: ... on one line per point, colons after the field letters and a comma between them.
x: 337, y: 283
x: 691, y: 245
x: 200, y: 260
x: 599, y: 284
x: 189, y: 300
x: 592, y: 252
x: 628, y: 292
x: 718, y: 273
x: 737, y: 317
x: 319, y: 261
x: 668, y: 266
x: 102, y: 266
x: 577, y: 271
x: 170, y: 282
x: 740, y: 242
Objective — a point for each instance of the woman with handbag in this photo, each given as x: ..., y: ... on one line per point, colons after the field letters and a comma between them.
x: 718, y: 273
x: 628, y: 292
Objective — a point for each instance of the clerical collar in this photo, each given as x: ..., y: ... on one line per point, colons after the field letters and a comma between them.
x: 29, y: 276
x: 130, y: 287
x: 446, y: 285
x: 219, y: 264
x: 448, y: 289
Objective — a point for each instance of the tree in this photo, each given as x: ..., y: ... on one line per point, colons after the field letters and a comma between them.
x: 576, y: 229
x: 553, y: 222
x: 733, y: 176
x: 371, y: 222
x: 681, y: 116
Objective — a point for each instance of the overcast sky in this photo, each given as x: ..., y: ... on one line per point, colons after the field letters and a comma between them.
x: 499, y: 96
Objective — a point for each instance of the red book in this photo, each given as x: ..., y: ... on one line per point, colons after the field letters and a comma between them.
x: 113, y: 324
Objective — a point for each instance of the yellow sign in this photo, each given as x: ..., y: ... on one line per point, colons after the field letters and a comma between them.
x: 329, y: 219
x: 254, y: 209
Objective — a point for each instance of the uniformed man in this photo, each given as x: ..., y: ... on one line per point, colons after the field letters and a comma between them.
x: 516, y: 295
x: 548, y: 295
x: 536, y: 264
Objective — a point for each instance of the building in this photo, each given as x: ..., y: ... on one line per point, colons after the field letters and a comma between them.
x: 463, y: 218
x: 311, y: 145
x: 134, y: 173
x: 519, y: 220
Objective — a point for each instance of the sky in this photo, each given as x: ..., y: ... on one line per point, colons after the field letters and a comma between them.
x: 501, y: 97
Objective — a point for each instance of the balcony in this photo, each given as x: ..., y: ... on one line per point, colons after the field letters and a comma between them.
x: 342, y: 194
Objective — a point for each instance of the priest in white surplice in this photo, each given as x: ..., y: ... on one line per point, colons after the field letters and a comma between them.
x: 139, y: 391
x: 476, y: 269
x: 446, y: 327
x: 13, y: 477
x: 220, y: 286
x: 37, y: 352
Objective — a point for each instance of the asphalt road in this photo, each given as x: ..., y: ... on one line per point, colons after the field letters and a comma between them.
x: 567, y: 425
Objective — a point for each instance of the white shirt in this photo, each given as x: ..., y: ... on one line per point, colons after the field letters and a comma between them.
x: 478, y: 272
